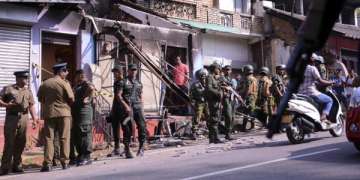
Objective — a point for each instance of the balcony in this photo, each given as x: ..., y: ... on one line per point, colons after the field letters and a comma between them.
x: 174, y: 9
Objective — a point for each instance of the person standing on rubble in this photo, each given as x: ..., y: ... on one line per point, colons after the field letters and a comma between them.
x: 248, y: 90
x: 198, y: 100
x: 214, y: 97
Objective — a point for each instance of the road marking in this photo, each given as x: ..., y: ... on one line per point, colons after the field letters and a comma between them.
x: 259, y: 164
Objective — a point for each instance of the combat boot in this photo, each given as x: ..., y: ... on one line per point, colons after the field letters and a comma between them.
x: 4, y: 172
x: 128, y: 153
x: 217, y: 140
x: 140, y: 152
x: 17, y: 169
x: 229, y: 137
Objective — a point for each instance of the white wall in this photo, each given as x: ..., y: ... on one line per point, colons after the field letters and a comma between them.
x: 225, y: 50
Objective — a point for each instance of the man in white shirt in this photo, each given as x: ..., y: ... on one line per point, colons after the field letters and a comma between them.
x: 308, y: 87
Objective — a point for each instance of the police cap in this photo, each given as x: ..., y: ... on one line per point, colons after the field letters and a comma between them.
x: 24, y: 73
x: 59, y: 67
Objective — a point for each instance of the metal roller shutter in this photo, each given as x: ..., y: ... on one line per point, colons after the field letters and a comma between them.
x: 14, y: 53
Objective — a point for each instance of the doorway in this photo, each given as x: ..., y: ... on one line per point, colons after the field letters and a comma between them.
x: 57, y: 48
x: 172, y: 102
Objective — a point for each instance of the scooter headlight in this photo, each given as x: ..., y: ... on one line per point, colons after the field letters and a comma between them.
x: 354, y: 128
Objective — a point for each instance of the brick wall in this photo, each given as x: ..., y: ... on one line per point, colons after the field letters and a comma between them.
x: 205, y: 11
x: 284, y: 30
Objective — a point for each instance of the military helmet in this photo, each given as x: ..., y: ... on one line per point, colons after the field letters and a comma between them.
x: 248, y: 69
x: 281, y: 67
x: 201, y: 73
x: 264, y: 70
x: 215, y: 65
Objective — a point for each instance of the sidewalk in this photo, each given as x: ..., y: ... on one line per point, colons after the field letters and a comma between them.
x: 32, y: 159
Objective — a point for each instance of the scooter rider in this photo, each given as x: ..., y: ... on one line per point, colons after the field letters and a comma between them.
x: 308, y: 87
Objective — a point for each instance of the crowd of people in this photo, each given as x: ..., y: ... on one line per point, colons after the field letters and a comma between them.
x: 216, y: 95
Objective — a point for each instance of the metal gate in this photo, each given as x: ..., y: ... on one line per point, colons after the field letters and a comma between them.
x: 14, y: 53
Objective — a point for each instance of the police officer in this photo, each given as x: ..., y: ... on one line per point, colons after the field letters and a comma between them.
x: 117, y: 115
x: 18, y: 101
x: 265, y: 100
x: 83, y: 116
x: 214, y: 95
x: 130, y: 92
x: 56, y: 96
x: 279, y: 86
x: 248, y: 90
x: 227, y: 112
x: 198, y: 100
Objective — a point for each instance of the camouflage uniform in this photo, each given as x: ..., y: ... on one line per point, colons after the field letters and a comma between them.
x: 227, y: 106
x: 248, y: 90
x: 265, y: 100
x: 277, y: 85
x: 214, y: 96
x: 197, y: 95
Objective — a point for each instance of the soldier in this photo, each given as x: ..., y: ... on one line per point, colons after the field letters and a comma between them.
x: 278, y: 87
x: 320, y: 65
x: 248, y: 90
x: 130, y: 92
x: 227, y: 101
x: 18, y: 101
x: 198, y: 100
x: 214, y: 96
x: 265, y: 100
x: 117, y: 114
x: 83, y: 116
x: 56, y: 96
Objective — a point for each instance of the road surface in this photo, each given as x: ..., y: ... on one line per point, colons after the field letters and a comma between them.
x: 247, y: 158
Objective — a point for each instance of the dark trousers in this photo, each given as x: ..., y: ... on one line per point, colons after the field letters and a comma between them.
x: 213, y: 121
x: 83, y: 140
x: 228, y: 115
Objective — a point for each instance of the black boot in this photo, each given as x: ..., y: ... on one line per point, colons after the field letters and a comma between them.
x: 64, y: 165
x: 217, y: 140
x: 46, y: 168
x: 228, y: 137
x: 4, y: 172
x: 128, y: 153
x: 140, y: 152
x: 17, y: 169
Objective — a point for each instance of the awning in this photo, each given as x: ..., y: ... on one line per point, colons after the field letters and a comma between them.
x: 218, y: 29
x: 48, y: 1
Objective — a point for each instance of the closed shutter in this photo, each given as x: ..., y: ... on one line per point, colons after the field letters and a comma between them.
x: 14, y: 53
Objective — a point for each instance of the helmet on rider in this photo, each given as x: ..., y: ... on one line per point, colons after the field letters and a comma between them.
x: 281, y: 67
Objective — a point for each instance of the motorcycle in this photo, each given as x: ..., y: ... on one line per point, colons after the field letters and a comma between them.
x: 303, y: 114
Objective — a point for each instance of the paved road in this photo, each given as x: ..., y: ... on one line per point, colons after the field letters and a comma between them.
x: 322, y: 157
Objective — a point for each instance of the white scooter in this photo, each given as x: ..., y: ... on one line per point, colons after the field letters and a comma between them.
x: 303, y: 117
